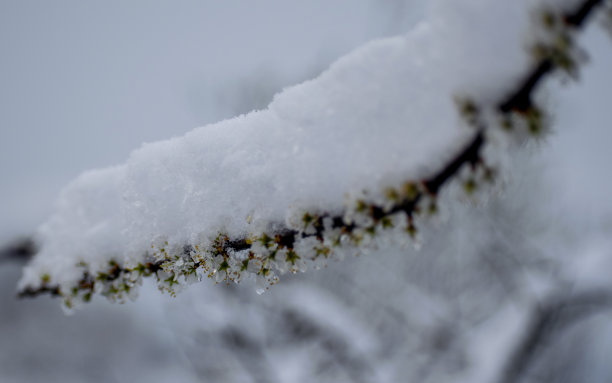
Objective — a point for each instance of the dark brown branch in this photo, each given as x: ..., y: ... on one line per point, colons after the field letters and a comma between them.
x: 518, y: 100
x: 579, y: 16
x: 521, y: 100
x: 30, y: 292
x: 469, y: 155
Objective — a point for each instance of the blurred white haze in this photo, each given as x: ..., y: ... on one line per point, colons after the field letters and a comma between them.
x: 83, y: 84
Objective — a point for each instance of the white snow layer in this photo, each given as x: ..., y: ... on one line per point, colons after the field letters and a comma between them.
x: 382, y: 114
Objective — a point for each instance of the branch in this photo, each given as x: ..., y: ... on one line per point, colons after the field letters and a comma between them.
x: 20, y: 250
x: 403, y: 201
x: 548, y: 320
x: 520, y: 100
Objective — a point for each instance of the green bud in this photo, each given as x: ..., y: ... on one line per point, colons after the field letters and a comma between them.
x: 470, y: 186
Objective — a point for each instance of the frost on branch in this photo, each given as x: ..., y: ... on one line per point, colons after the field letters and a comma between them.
x: 343, y: 163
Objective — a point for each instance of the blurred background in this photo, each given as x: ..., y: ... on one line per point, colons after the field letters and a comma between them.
x: 83, y: 84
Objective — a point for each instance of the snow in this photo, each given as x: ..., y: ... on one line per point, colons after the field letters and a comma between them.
x: 381, y: 115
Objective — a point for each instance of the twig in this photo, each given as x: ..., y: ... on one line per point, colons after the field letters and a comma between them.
x: 518, y: 101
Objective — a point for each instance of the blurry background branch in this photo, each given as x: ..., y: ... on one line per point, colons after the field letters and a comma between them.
x: 20, y: 251
x: 549, y: 319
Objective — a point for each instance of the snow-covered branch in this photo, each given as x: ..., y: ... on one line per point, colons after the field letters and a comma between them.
x: 257, y: 196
